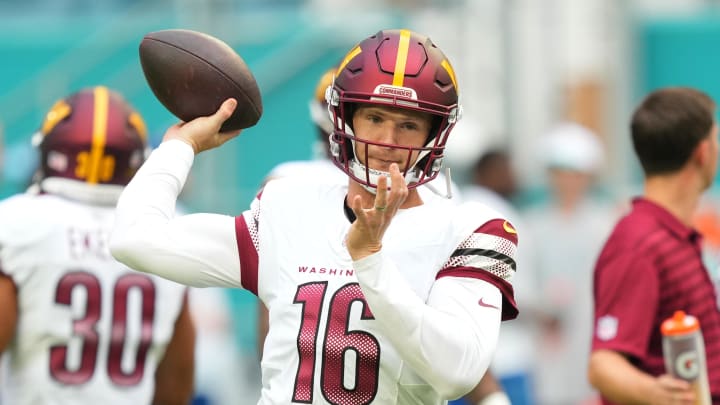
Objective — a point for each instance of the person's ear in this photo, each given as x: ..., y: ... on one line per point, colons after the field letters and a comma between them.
x: 703, y: 151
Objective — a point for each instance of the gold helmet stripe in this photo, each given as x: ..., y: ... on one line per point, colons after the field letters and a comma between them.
x: 350, y: 55
x: 139, y: 124
x: 325, y: 81
x: 58, y: 112
x: 401, y: 58
x: 451, y: 72
x: 99, y: 135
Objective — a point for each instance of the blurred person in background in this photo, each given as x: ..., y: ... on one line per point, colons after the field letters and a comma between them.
x: 567, y: 233
x: 651, y: 266
x: 394, y: 103
x: 493, y: 181
x: 76, y: 326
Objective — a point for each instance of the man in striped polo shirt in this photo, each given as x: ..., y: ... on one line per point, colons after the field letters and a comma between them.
x: 651, y: 264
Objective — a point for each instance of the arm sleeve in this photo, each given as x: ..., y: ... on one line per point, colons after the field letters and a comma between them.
x: 626, y: 297
x: 199, y: 250
x: 450, y: 339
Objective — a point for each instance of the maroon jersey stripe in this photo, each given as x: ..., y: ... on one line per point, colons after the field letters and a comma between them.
x: 248, y: 255
x: 501, y: 228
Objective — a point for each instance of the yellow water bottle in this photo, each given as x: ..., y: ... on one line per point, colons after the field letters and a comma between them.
x: 684, y: 353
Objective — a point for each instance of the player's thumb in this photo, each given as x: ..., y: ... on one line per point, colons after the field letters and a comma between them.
x: 225, y: 111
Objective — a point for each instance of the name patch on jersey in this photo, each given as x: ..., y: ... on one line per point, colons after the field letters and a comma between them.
x: 88, y: 243
x: 330, y: 271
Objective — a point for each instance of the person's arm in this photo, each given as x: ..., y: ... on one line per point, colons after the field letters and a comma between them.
x: 619, y: 381
x: 450, y: 339
x: 198, y: 250
x: 488, y: 392
x: 9, y: 313
x: 174, y: 377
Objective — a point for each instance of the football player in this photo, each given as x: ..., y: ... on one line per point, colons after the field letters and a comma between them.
x: 76, y: 326
x: 322, y: 167
x: 374, y: 297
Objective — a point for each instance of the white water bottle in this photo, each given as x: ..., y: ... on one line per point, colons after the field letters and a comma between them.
x: 684, y: 353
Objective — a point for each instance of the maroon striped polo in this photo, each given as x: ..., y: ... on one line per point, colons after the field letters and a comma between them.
x: 650, y: 267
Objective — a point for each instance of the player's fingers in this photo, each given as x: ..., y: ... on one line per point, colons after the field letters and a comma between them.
x: 226, y: 136
x: 226, y: 109
x: 357, y: 208
x: 673, y: 384
x: 399, y: 191
x: 381, y: 199
x: 224, y: 112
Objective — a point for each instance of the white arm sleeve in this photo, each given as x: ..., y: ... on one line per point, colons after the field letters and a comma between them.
x: 450, y: 340
x: 198, y: 250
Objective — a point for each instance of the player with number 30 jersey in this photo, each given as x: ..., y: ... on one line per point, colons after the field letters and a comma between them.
x: 77, y: 326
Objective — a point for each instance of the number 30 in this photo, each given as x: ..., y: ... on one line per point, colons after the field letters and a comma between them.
x: 85, y: 328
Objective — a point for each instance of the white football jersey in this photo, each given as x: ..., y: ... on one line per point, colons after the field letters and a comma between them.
x: 415, y: 323
x: 316, y: 305
x: 90, y: 330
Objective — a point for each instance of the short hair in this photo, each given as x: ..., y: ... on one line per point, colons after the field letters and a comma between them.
x: 668, y: 125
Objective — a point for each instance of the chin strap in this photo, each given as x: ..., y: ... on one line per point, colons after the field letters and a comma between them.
x: 358, y: 170
x: 448, y: 186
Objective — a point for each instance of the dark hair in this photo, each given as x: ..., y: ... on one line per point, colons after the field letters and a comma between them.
x: 668, y: 125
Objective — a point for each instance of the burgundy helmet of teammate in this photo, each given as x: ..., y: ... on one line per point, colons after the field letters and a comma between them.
x: 93, y: 136
x: 396, y: 68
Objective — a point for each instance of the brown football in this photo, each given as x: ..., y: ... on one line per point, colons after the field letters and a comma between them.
x: 191, y: 73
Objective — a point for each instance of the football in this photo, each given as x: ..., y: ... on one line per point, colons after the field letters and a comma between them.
x: 191, y: 73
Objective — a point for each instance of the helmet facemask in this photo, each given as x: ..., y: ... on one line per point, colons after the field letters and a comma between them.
x: 423, y: 163
x: 370, y: 75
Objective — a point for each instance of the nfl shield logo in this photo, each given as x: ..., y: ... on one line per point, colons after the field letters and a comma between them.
x: 606, y: 327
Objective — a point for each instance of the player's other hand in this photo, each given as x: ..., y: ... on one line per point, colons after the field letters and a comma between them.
x: 202, y: 133
x: 672, y: 391
x: 366, y: 233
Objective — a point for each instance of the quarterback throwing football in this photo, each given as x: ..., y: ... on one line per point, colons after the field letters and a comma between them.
x: 373, y: 296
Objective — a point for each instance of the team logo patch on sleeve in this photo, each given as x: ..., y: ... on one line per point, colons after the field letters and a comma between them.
x: 607, y: 327
x: 509, y: 228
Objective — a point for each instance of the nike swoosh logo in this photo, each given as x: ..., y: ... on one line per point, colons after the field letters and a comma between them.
x: 485, y: 304
x: 508, y: 228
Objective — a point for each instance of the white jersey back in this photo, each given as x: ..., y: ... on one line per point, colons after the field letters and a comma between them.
x: 323, y: 335
x: 89, y: 330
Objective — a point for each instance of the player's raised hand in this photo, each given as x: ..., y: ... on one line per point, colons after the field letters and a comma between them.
x: 366, y: 233
x: 202, y: 133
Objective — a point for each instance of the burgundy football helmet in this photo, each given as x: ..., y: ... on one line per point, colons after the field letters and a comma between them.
x: 93, y: 136
x: 397, y: 68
